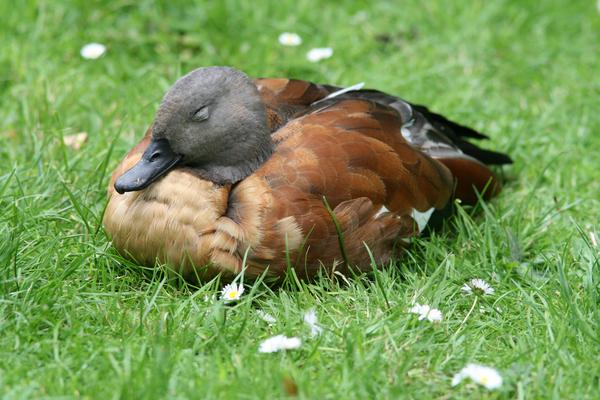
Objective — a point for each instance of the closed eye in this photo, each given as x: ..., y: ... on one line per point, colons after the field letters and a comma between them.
x: 200, y: 114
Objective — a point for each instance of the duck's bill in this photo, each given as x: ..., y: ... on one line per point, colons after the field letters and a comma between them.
x: 156, y: 161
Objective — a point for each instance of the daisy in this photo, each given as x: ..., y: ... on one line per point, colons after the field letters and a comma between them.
x: 318, y: 54
x: 425, y: 311
x: 75, y: 141
x: 92, y: 51
x: 482, y: 375
x: 290, y: 39
x: 434, y: 315
x: 477, y: 286
x: 232, y: 292
x: 279, y: 342
x: 310, y: 318
x: 268, y: 318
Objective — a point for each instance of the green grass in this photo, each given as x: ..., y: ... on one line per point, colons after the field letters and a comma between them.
x: 78, y: 321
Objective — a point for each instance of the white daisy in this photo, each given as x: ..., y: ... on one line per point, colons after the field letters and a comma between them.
x: 310, y: 317
x: 268, y: 318
x: 422, y: 310
x: 232, y: 292
x: 477, y: 286
x: 425, y: 311
x: 75, y: 141
x: 279, y: 342
x: 92, y: 51
x: 434, y: 315
x: 485, y: 376
x: 318, y: 54
x: 290, y: 39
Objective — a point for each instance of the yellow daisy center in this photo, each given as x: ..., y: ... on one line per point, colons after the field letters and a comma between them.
x: 232, y: 294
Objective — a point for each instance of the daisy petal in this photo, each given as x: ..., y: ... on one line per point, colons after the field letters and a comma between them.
x: 92, y: 51
x: 75, y: 141
x: 232, y: 292
x: 487, y: 377
x: 434, y: 315
x: 268, y: 318
x: 278, y: 343
x: 426, y: 312
x: 478, y: 286
x: 290, y: 39
x: 318, y: 54
x: 310, y: 318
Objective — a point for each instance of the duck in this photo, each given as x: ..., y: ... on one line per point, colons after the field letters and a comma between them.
x: 263, y: 176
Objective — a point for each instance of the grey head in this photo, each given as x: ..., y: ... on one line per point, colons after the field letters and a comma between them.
x: 211, y: 120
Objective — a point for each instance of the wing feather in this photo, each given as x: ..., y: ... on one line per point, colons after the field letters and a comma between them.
x: 353, y: 154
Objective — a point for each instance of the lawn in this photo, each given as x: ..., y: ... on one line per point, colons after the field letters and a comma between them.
x: 76, y: 320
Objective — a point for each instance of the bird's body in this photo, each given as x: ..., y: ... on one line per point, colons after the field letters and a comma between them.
x: 369, y: 162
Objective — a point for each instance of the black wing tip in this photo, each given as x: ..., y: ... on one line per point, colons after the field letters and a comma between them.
x: 498, y: 158
x: 489, y: 157
x: 442, y: 122
x: 459, y: 134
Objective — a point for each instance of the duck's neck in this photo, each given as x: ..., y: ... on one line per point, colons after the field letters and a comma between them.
x: 240, y: 161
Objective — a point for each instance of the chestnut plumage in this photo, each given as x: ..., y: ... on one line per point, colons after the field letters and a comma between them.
x: 265, y: 168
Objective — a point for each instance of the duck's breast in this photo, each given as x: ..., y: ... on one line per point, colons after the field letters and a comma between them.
x: 172, y: 221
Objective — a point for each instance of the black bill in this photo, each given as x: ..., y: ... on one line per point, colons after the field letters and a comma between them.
x: 157, y: 160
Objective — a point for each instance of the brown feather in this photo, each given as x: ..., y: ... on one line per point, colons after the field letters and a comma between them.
x: 472, y: 177
x: 350, y: 152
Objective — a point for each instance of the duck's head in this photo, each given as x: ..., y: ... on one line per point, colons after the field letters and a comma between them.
x: 213, y: 121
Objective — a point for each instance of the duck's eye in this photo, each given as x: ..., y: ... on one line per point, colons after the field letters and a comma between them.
x: 200, y: 114
x: 155, y: 156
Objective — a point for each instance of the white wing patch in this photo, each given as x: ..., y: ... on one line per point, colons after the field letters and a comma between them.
x: 421, y: 218
x: 381, y: 211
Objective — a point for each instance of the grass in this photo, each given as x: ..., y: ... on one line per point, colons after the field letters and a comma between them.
x: 76, y: 320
